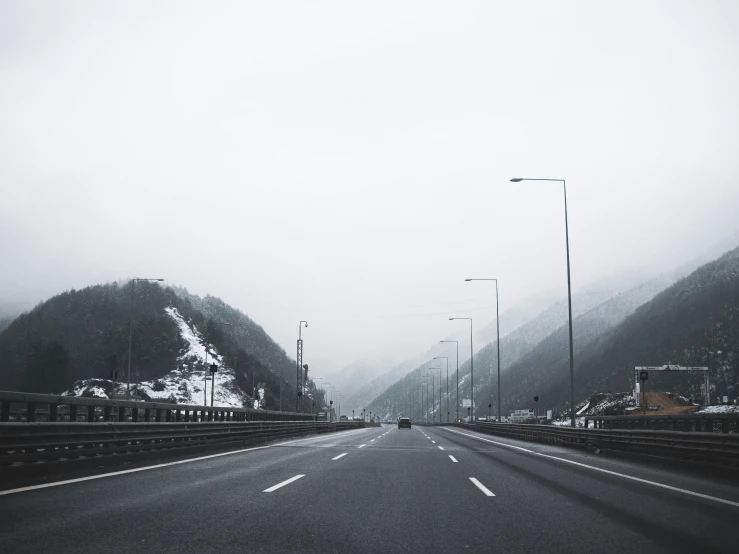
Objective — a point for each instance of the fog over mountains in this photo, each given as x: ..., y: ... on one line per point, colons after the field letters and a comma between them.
x: 535, y: 356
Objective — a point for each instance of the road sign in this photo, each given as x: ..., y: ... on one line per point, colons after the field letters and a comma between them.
x: 466, y: 403
x: 213, y: 368
x: 522, y: 415
x: 644, y: 376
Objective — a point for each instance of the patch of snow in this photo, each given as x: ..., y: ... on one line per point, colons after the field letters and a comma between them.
x: 89, y: 388
x: 723, y: 409
x: 585, y: 407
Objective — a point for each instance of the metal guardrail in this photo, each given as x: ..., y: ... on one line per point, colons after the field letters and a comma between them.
x: 701, y: 423
x: 38, y: 442
x: 31, y: 407
x: 714, y: 448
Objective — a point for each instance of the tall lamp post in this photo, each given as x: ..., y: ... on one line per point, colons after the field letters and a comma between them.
x: 299, y: 360
x: 130, y: 334
x: 472, y: 370
x: 497, y: 324
x: 433, y: 394
x: 447, y: 387
x: 457, y: 343
x: 569, y: 292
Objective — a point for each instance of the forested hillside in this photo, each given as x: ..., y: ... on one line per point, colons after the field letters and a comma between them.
x: 694, y: 322
x: 83, y: 334
x: 534, y: 347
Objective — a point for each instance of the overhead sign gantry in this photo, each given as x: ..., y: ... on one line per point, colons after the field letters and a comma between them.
x: 641, y: 373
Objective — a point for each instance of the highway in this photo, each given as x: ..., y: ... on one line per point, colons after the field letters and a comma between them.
x: 427, y: 489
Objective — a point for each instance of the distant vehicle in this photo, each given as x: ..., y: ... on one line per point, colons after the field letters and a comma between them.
x: 343, y: 418
x: 404, y: 422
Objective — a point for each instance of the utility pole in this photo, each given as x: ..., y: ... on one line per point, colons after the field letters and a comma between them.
x: 299, y: 363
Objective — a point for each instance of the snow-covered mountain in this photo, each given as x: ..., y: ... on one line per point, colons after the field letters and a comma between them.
x: 73, y: 341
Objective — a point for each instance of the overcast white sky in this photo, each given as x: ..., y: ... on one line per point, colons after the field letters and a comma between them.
x: 348, y: 162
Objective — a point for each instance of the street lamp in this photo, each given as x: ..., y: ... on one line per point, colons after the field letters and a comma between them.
x: 457, y: 343
x: 447, y: 387
x: 130, y: 334
x: 299, y: 363
x: 433, y: 394
x: 569, y: 293
x: 472, y: 368
x: 497, y: 324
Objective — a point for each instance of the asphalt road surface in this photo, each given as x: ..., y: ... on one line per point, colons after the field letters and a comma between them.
x: 427, y: 489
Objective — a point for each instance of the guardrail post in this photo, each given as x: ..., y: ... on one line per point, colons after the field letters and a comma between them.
x: 5, y: 411
x: 134, y: 414
x: 121, y: 413
x: 169, y: 415
x: 147, y: 415
x: 178, y: 416
x: 106, y: 413
x: 52, y: 411
x: 90, y: 414
x: 31, y: 411
x: 724, y: 425
x: 73, y: 412
x: 187, y: 416
x: 158, y: 415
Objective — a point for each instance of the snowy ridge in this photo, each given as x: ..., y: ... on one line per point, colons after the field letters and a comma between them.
x: 190, y: 383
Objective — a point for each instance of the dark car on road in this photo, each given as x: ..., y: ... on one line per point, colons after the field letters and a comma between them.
x: 404, y: 422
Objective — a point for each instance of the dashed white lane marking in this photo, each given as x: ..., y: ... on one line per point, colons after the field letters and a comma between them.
x: 434, y: 442
x: 372, y: 440
x: 440, y: 447
x: 482, y: 487
x: 339, y: 456
x: 361, y: 446
x: 280, y: 485
x: 453, y: 458
x: 125, y: 471
x: 637, y: 479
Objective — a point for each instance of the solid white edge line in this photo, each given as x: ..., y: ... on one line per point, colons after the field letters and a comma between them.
x: 453, y: 458
x: 494, y: 442
x: 339, y: 456
x: 323, y: 437
x: 125, y: 471
x: 482, y: 487
x: 640, y: 480
x: 609, y: 472
x: 440, y: 447
x: 280, y: 485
